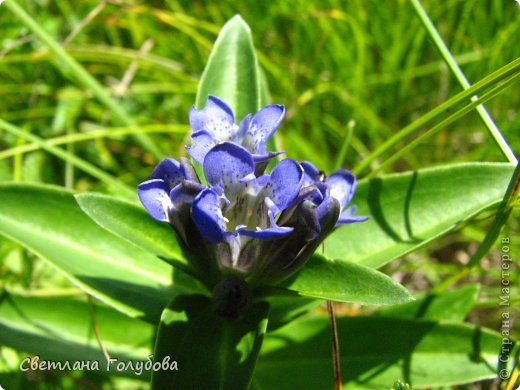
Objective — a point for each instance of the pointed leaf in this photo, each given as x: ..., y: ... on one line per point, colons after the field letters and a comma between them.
x: 375, y: 352
x: 131, y: 222
x: 345, y: 282
x: 410, y: 209
x: 231, y: 71
x: 48, y: 221
x: 215, y: 352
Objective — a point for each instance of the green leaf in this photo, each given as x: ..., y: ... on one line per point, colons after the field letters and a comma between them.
x: 375, y: 352
x: 284, y: 310
x: 409, y: 210
x: 264, y: 94
x: 212, y: 351
x: 131, y: 222
x: 61, y: 329
x: 231, y: 72
x: 48, y: 221
x: 346, y: 282
x: 446, y: 306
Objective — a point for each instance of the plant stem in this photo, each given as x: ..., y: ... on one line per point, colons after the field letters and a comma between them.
x: 335, y: 346
x: 95, y: 328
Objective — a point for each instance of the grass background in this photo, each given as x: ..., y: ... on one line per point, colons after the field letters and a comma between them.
x: 351, y: 74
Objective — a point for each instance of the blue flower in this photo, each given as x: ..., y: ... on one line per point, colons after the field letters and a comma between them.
x: 215, y: 123
x: 239, y: 208
x: 165, y: 192
x: 168, y: 197
x: 247, y: 224
x: 313, y: 214
x: 341, y: 185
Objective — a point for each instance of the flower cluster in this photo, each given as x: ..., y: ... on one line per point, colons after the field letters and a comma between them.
x: 257, y: 226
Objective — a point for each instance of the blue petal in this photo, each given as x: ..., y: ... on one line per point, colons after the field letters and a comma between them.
x: 243, y: 126
x: 208, y: 217
x: 311, y: 173
x: 311, y: 193
x: 347, y: 216
x: 227, y: 164
x: 216, y: 118
x: 348, y: 220
x: 285, y: 183
x: 153, y: 194
x: 184, y: 193
x: 258, y: 158
x: 262, y: 180
x: 170, y: 171
x: 262, y: 161
x: 262, y: 126
x: 342, y: 185
x: 202, y: 143
x: 271, y: 233
x: 329, y: 208
x: 309, y: 216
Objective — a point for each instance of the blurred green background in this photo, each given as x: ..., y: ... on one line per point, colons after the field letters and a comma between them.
x: 351, y: 74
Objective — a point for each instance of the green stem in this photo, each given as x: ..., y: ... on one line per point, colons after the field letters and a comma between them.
x: 455, y: 69
x: 338, y: 384
x: 345, y: 144
x: 69, y: 66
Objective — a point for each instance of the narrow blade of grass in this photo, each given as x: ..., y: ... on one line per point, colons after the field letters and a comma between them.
x: 455, y: 69
x: 112, y: 132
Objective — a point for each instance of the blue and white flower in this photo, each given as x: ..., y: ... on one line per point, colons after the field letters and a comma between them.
x: 247, y: 224
x: 240, y: 207
x: 215, y: 123
x: 313, y: 214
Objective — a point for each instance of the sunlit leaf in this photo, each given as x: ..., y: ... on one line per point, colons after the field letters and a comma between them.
x: 346, y: 282
x: 410, y: 209
x: 231, y: 72
x: 131, y: 222
x: 49, y: 222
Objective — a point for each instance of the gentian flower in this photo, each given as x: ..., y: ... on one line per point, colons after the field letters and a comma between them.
x: 239, y: 209
x: 313, y: 214
x: 168, y: 197
x: 245, y: 225
x: 216, y: 123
